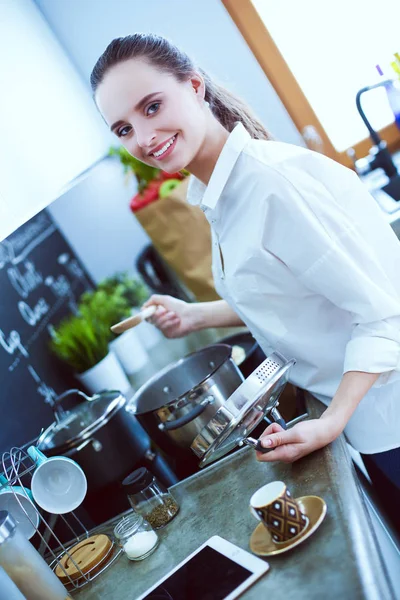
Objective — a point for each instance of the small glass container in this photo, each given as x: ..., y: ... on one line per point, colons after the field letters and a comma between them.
x: 150, y: 498
x: 24, y: 565
x: 136, y: 537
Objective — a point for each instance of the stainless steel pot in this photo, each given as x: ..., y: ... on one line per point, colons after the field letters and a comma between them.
x: 178, y: 402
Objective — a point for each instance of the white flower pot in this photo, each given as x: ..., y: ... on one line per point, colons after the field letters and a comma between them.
x: 148, y: 334
x: 106, y: 375
x: 130, y: 351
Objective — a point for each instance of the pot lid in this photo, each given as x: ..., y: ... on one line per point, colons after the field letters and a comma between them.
x: 243, y: 410
x: 81, y: 422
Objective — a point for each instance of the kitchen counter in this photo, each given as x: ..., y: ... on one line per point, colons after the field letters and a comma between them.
x: 340, y: 560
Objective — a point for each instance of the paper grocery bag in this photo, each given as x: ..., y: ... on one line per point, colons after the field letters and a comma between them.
x: 181, y: 234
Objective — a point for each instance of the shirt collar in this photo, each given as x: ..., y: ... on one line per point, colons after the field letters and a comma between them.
x: 198, y: 193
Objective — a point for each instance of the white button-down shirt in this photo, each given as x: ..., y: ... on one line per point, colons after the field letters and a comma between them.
x: 302, y: 253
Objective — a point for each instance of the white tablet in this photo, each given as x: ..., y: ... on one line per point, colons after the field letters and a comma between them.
x: 217, y: 570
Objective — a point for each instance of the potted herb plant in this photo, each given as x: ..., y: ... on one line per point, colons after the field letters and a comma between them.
x: 136, y: 293
x: 133, y: 290
x: 82, y: 341
x: 112, y: 302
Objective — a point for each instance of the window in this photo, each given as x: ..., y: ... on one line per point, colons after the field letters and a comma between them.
x: 318, y: 55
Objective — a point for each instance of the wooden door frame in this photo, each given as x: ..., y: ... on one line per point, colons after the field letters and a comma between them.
x: 260, y: 42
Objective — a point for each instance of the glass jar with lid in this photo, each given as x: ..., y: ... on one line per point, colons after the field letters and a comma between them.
x: 24, y: 565
x: 150, y: 498
x: 136, y: 536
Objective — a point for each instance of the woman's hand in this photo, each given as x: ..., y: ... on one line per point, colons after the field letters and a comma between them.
x: 175, y: 318
x: 291, y: 444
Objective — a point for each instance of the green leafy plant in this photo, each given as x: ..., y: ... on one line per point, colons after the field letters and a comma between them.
x: 143, y: 173
x: 108, y: 307
x: 153, y: 183
x: 82, y: 341
x: 134, y: 291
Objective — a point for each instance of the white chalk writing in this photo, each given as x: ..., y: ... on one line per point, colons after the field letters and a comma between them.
x: 33, y: 315
x: 60, y: 286
x: 24, y: 241
x: 26, y: 282
x: 12, y: 343
x: 47, y: 392
x: 44, y: 390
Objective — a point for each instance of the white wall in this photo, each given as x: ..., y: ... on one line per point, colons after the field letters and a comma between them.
x: 95, y: 216
x: 203, y: 29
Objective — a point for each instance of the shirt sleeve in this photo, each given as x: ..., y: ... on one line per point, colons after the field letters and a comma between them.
x: 327, y: 229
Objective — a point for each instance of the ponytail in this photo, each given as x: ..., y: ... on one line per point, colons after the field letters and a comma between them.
x: 228, y: 109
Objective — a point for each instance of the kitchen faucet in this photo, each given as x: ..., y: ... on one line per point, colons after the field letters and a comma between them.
x: 379, y: 155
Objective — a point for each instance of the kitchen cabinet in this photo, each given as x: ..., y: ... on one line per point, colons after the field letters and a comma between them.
x: 49, y: 126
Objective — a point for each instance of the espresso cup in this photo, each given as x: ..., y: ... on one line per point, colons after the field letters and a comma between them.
x: 274, y: 506
x: 58, y: 483
x: 18, y: 501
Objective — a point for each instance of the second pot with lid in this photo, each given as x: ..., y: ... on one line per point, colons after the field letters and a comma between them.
x: 70, y: 429
x: 97, y: 434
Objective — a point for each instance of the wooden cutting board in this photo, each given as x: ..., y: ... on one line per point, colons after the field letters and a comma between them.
x: 88, y: 554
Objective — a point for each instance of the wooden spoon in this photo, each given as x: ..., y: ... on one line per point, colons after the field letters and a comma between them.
x: 133, y: 321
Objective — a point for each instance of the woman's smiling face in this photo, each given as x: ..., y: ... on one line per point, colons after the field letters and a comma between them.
x: 159, y: 120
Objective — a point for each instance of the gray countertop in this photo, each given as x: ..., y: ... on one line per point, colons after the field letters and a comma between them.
x: 340, y: 560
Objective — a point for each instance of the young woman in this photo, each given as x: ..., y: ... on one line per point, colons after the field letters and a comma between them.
x: 301, y: 252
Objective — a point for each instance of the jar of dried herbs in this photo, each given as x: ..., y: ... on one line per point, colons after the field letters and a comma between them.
x: 150, y: 498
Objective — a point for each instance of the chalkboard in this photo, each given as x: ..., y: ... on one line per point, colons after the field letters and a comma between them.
x: 41, y: 281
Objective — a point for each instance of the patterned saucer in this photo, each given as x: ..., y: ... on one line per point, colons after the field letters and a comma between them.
x: 261, y: 542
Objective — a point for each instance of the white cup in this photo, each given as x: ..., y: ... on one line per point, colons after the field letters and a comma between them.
x: 18, y: 501
x: 130, y: 351
x: 148, y: 334
x: 58, y: 483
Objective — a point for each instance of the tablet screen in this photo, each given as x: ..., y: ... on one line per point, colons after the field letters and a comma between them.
x: 208, y: 575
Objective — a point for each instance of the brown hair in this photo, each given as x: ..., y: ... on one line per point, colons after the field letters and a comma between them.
x: 227, y: 108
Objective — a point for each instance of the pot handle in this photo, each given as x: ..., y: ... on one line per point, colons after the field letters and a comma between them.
x: 190, y: 416
x: 55, y: 403
x: 277, y: 417
x: 96, y: 445
x: 256, y: 444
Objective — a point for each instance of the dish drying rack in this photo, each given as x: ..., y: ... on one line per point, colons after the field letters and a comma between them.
x: 17, y: 468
